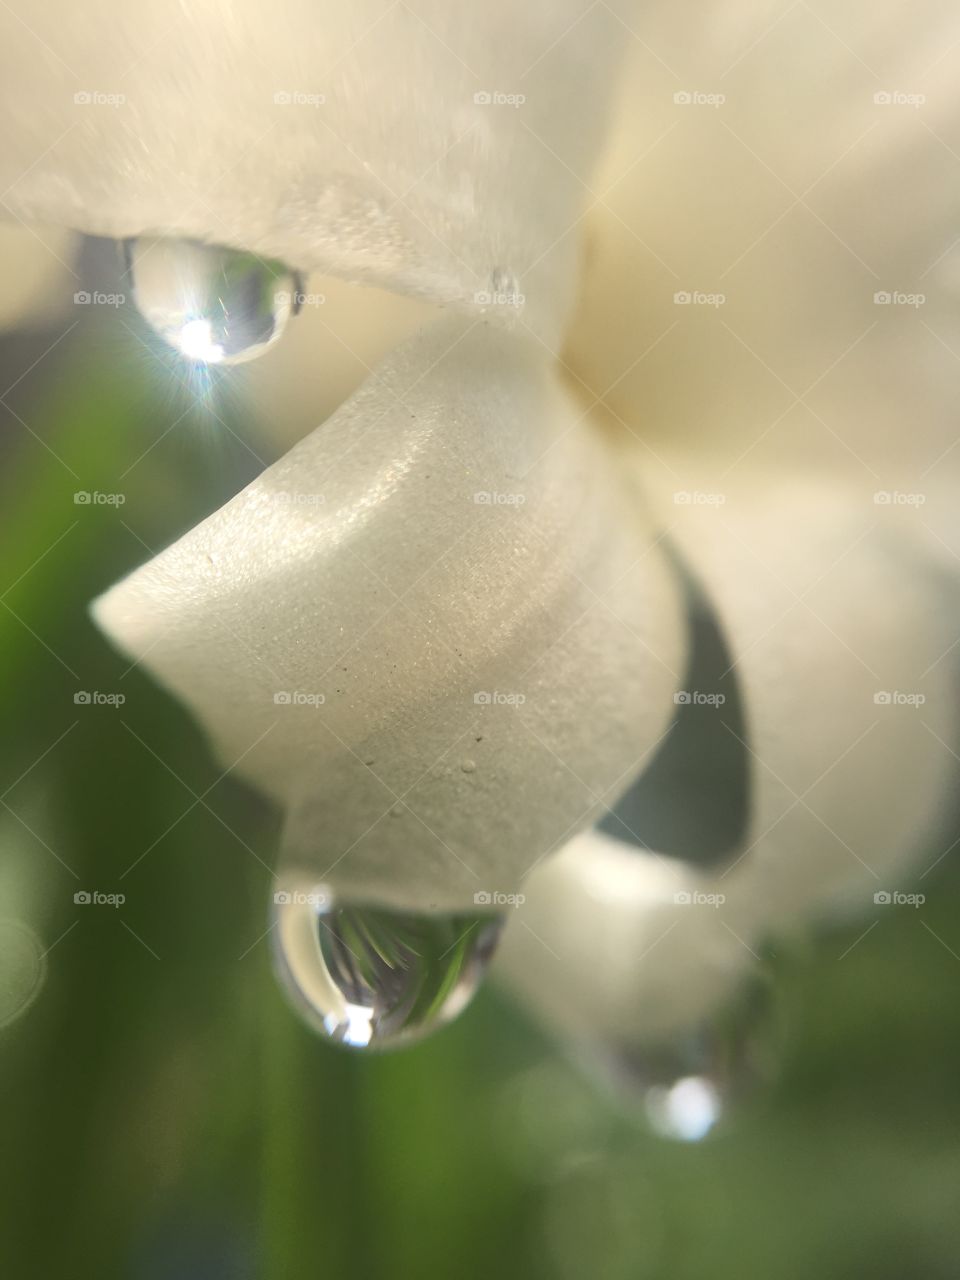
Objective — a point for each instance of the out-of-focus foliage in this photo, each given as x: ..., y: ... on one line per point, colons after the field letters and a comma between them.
x: 164, y: 1116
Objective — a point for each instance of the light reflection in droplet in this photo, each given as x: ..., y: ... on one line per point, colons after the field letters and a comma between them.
x: 687, y: 1080
x: 195, y: 340
x: 687, y: 1110
x: 212, y: 304
x: 371, y: 978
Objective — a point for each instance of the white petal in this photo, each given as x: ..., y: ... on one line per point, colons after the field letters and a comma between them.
x: 800, y: 441
x: 843, y: 639
x: 36, y: 272
x: 454, y: 564
x: 354, y: 138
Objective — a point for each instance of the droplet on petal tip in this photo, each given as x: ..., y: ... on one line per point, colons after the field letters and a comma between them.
x: 212, y: 304
x: 695, y: 1081
x: 370, y: 978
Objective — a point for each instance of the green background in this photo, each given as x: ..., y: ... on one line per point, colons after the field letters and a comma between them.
x: 165, y: 1115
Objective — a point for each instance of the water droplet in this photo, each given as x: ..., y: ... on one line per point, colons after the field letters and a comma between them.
x: 686, y: 1110
x: 371, y: 978
x: 212, y: 304
x: 690, y: 1081
x: 468, y: 766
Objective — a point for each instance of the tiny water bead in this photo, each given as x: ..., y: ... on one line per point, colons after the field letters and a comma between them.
x: 212, y: 304
x: 371, y: 978
x: 690, y: 1081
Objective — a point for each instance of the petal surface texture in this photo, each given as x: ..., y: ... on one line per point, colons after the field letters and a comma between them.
x: 433, y: 149
x: 779, y: 239
x: 440, y: 629
x: 767, y: 309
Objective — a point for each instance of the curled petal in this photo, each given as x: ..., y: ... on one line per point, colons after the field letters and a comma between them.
x: 439, y: 630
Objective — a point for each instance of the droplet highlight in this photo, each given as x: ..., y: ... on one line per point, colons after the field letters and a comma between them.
x: 212, y: 304
x: 691, y: 1081
x: 370, y: 978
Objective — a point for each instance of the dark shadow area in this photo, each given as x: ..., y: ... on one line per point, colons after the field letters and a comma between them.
x: 693, y: 800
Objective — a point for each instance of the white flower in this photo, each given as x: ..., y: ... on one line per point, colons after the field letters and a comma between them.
x: 742, y: 377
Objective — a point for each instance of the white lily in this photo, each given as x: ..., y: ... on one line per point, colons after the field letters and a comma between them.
x: 709, y: 249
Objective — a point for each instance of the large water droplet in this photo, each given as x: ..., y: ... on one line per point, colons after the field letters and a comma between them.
x: 371, y: 978
x: 212, y: 304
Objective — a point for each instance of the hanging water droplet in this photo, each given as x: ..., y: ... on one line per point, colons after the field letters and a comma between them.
x: 371, y: 978
x: 689, y: 1081
x: 686, y: 1110
x: 212, y: 304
